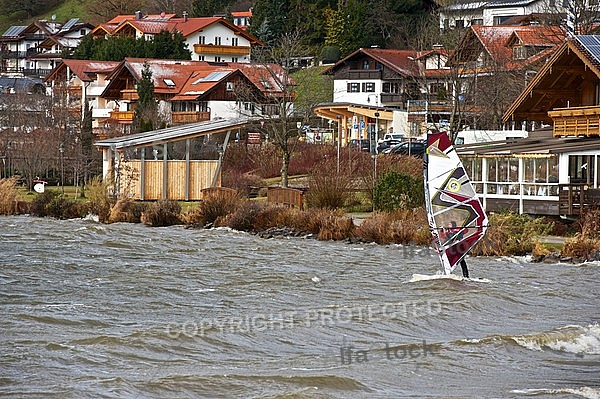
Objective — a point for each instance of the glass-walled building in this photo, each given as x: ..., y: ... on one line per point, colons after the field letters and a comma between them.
x: 545, y: 176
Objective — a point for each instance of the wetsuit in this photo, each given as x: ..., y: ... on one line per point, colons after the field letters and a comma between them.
x: 463, y: 266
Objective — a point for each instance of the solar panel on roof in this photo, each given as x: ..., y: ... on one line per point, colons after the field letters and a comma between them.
x: 588, y: 39
x: 591, y: 44
x: 70, y: 23
x: 14, y: 30
x: 212, y: 77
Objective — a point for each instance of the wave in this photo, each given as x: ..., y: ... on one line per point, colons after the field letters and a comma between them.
x: 427, y: 277
x: 580, y: 340
x: 585, y: 392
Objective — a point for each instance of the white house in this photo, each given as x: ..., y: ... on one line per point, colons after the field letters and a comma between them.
x: 208, y: 38
x: 463, y: 14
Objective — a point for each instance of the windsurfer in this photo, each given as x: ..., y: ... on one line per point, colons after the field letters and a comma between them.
x: 448, y: 233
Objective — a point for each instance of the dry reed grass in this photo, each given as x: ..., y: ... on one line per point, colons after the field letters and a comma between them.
x: 9, y: 195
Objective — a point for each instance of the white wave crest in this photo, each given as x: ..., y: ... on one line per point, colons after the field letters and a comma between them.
x: 570, y: 339
x: 585, y: 392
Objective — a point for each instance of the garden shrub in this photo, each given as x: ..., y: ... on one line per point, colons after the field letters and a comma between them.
x: 162, y: 213
x: 398, y: 191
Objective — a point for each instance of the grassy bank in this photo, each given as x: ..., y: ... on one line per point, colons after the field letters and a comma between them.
x: 508, y: 234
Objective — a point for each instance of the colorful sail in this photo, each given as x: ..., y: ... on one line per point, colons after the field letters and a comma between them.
x: 456, y: 217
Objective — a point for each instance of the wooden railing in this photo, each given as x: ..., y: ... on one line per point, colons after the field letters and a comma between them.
x: 288, y: 197
x: 122, y: 116
x: 189, y: 117
x: 576, y: 121
x: 216, y: 49
x: 129, y: 95
x: 576, y: 198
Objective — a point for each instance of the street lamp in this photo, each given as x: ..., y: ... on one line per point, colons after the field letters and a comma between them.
x: 339, y: 141
x: 61, y: 149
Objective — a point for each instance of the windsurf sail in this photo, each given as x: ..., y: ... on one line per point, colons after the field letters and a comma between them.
x: 456, y: 217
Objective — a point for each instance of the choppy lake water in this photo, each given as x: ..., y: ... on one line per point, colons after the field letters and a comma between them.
x: 128, y: 311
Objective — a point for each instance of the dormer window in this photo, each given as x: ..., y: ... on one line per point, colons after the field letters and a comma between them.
x: 169, y: 82
x: 519, y: 52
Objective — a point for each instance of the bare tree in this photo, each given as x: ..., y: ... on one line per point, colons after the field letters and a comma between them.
x: 276, y: 99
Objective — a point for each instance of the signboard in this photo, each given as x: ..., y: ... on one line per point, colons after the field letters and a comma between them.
x: 253, y: 138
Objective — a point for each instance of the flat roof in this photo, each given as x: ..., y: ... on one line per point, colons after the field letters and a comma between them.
x: 532, y: 146
x: 173, y: 133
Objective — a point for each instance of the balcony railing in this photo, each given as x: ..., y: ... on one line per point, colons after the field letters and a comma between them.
x: 224, y: 50
x: 576, y: 121
x: 122, y: 116
x: 576, y: 198
x: 364, y: 74
x: 189, y: 117
x: 129, y: 95
x: 388, y: 98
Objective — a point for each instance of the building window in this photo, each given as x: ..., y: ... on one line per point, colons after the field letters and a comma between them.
x: 217, y: 59
x: 365, y: 64
x: 229, y: 86
x: 217, y: 40
x: 234, y: 59
x: 353, y: 88
x: 234, y: 41
x: 499, y: 20
x: 390, y: 87
x: 368, y: 87
x: 460, y: 23
x: 201, y: 39
x: 478, y: 21
x: 200, y: 58
x: 169, y: 82
x: 83, y: 32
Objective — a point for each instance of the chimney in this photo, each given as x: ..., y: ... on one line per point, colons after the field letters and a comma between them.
x: 138, y: 15
x: 185, y: 16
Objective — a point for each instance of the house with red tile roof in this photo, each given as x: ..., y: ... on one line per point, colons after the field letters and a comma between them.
x: 208, y: 38
x: 82, y: 82
x: 510, y: 47
x: 187, y: 91
x: 377, y: 84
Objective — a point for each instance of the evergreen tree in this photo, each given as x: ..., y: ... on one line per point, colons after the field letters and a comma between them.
x: 208, y: 8
x: 146, y: 108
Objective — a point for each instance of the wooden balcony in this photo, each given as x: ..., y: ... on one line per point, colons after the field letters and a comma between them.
x: 122, y: 116
x: 129, y: 95
x: 221, y: 50
x: 576, y: 121
x: 576, y: 198
x: 190, y: 117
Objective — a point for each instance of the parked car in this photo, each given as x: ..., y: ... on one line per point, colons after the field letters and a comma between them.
x: 387, y: 144
x: 417, y: 148
x: 391, y: 136
x: 365, y: 144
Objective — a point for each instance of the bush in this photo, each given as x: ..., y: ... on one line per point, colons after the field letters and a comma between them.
x: 327, y: 188
x: 214, y: 208
x: 400, y: 227
x: 511, y: 234
x: 162, y: 213
x: 581, y: 248
x: 398, y: 191
x: 245, y: 217
x: 126, y: 210
x: 99, y: 200
x: 336, y: 227
x: 8, y: 196
x: 54, y: 204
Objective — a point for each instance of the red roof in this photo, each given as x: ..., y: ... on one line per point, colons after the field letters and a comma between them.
x: 81, y: 68
x: 495, y: 39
